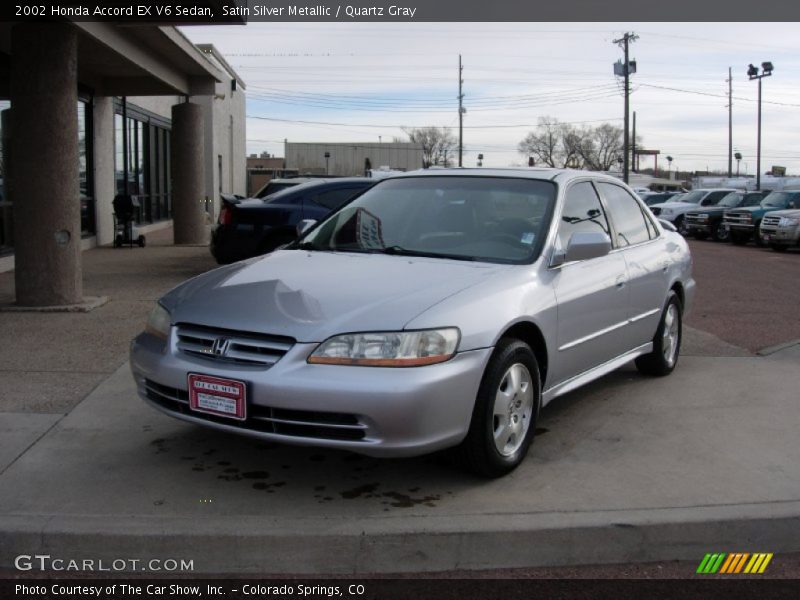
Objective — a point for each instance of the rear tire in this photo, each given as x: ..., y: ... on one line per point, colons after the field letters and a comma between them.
x: 504, y: 417
x: 667, y: 341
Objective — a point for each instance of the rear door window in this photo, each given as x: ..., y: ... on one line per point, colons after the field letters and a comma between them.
x: 630, y: 223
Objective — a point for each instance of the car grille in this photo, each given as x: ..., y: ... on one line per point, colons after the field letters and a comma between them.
x: 656, y: 210
x: 265, y: 419
x: 694, y: 218
x: 223, y: 345
x: 734, y: 218
x: 770, y: 222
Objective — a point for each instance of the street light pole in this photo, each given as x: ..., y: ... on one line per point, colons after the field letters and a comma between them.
x: 752, y: 73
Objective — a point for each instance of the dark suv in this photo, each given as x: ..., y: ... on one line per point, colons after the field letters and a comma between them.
x: 255, y: 226
x: 743, y: 223
x: 708, y: 221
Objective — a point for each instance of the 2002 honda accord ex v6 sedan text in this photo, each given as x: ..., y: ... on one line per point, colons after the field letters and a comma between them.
x: 439, y: 308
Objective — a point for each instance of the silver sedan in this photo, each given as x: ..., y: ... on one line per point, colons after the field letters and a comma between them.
x: 441, y: 308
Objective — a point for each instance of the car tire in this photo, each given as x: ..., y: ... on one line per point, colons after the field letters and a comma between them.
x: 779, y: 247
x: 667, y: 341
x: 720, y: 233
x: 681, y: 226
x: 739, y: 239
x: 700, y: 235
x: 505, y: 412
x: 759, y: 238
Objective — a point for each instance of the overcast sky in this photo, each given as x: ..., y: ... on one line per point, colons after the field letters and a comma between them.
x: 362, y: 81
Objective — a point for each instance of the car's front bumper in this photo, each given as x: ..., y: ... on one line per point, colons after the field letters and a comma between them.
x: 378, y: 411
x: 781, y: 236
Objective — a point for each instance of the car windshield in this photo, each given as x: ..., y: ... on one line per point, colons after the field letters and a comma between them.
x: 489, y: 219
x: 752, y: 199
x: 778, y: 199
x: 692, y: 197
x: 732, y: 200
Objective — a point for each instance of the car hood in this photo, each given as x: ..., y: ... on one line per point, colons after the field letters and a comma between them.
x: 786, y: 212
x: 312, y: 295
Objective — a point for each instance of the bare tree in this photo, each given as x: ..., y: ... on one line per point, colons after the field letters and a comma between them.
x: 544, y: 144
x: 601, y: 147
x: 436, y: 143
x: 560, y: 145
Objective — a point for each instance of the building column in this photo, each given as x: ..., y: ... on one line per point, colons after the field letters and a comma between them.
x: 104, y: 176
x: 44, y: 158
x: 188, y: 174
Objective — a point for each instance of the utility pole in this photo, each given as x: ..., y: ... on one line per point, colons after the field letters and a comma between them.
x: 624, y: 42
x: 460, y: 114
x: 634, y: 162
x: 730, y: 123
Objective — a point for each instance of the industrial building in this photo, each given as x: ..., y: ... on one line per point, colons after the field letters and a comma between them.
x: 351, y: 158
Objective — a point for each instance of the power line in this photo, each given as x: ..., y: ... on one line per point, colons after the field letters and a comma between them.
x: 262, y: 118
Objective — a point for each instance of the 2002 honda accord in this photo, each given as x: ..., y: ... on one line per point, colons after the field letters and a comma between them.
x: 439, y: 308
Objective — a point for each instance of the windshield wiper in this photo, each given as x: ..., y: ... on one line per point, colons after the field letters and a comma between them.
x: 400, y: 251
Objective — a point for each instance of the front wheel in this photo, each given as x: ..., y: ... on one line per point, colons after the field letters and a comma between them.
x: 739, y: 239
x: 720, y: 233
x: 681, y: 226
x: 504, y: 416
x: 667, y: 341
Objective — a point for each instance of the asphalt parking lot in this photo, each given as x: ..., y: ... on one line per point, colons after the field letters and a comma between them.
x: 747, y: 296
x: 628, y: 469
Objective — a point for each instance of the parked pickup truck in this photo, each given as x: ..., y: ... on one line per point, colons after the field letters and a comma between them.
x: 674, y: 211
x: 708, y: 221
x: 743, y: 223
x: 781, y: 229
x: 255, y: 226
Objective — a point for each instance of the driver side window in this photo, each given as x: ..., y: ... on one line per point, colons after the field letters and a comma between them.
x: 582, y: 212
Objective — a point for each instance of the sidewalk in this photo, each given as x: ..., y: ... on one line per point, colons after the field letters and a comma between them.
x: 627, y: 469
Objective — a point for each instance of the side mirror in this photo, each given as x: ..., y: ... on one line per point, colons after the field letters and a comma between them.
x: 583, y: 245
x: 667, y: 225
x: 304, y: 226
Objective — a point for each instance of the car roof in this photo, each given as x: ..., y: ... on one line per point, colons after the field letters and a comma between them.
x: 313, y: 183
x: 540, y: 173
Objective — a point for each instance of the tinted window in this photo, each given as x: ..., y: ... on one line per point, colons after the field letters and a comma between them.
x: 582, y: 212
x: 629, y: 221
x: 333, y: 199
x: 713, y: 198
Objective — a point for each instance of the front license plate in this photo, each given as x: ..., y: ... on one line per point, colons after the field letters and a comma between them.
x: 766, y: 237
x: 218, y: 396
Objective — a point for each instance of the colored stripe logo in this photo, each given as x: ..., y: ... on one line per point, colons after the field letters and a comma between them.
x: 734, y: 563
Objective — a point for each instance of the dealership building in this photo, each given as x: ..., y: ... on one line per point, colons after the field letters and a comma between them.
x: 92, y: 110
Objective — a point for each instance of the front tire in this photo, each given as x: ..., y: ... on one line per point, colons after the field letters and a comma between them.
x: 720, y: 233
x: 681, y: 226
x: 667, y: 341
x: 505, y: 412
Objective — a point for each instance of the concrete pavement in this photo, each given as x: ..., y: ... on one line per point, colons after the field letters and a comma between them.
x: 626, y: 469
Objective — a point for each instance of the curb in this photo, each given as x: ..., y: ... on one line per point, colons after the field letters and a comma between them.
x: 252, y: 545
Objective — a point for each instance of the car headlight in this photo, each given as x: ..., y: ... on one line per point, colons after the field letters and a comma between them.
x: 703, y: 217
x: 788, y: 222
x: 388, y: 349
x: 158, y: 322
x: 666, y: 211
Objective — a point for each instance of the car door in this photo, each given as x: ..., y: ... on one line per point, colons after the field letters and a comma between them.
x: 591, y: 295
x: 636, y: 238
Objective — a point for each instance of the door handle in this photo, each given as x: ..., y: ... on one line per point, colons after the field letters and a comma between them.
x: 621, y: 281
